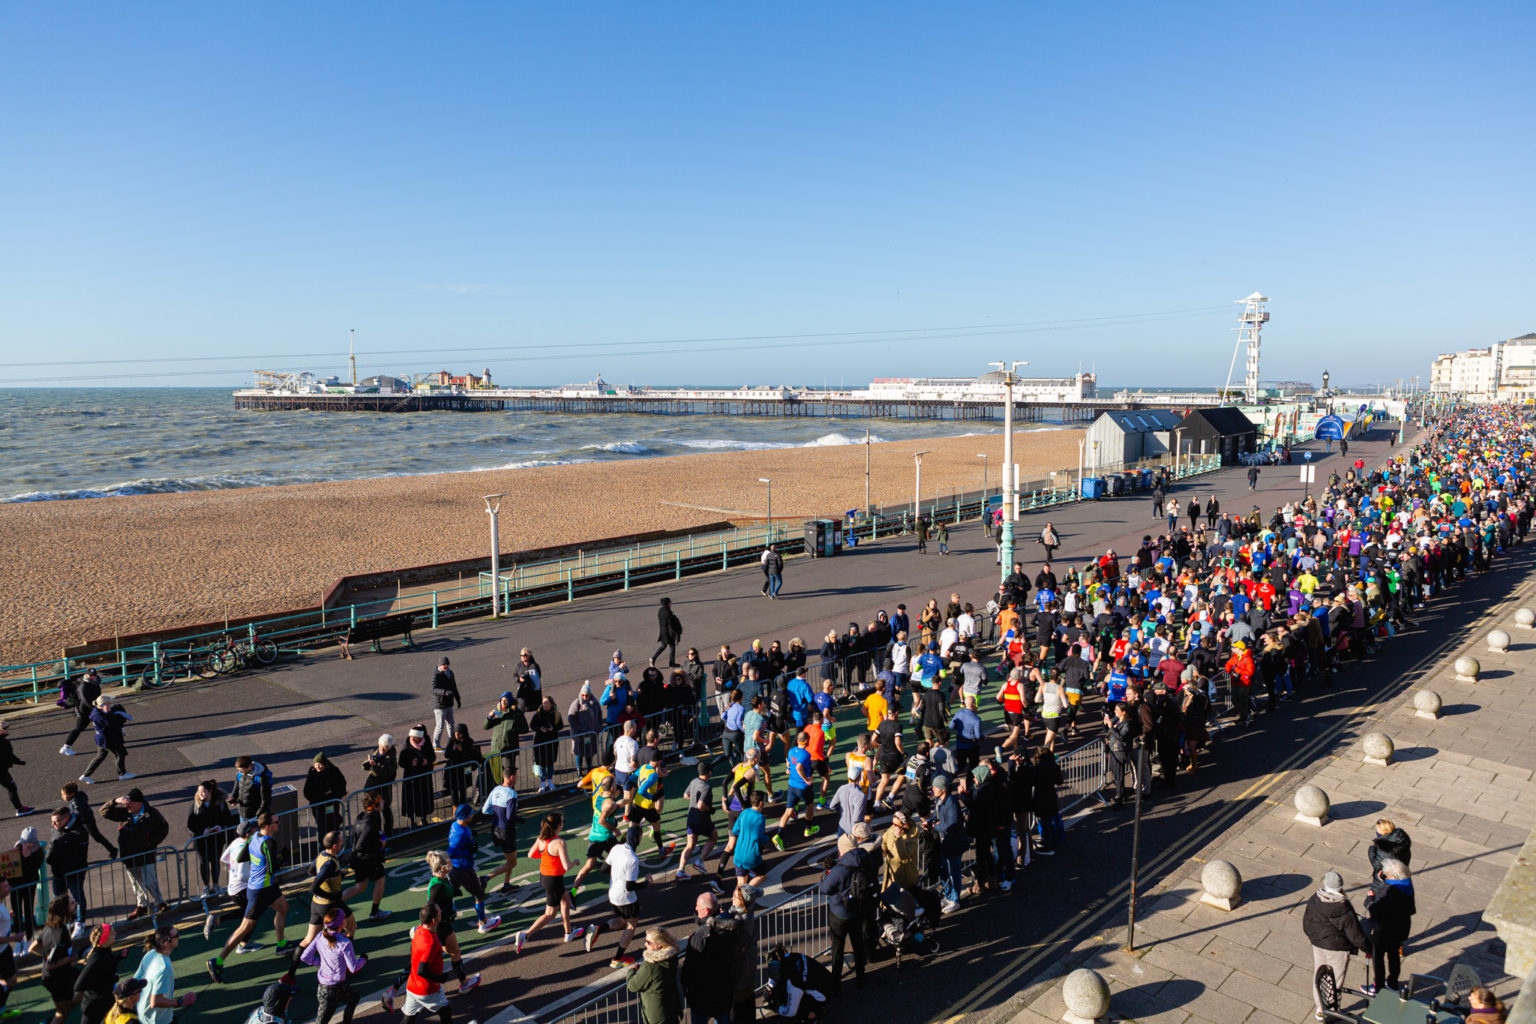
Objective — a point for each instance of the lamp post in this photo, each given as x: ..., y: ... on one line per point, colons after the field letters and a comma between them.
x: 917, y: 492
x: 493, y: 511
x: 866, y: 471
x: 983, y: 457
x: 1010, y: 503
x: 765, y: 480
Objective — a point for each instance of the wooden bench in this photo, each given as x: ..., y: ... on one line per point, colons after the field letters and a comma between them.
x: 374, y: 630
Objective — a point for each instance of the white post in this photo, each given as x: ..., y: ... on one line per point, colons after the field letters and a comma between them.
x: 1010, y: 471
x: 1080, y: 467
x: 492, y: 511
x: 917, y: 492
x: 765, y: 480
x: 866, y: 471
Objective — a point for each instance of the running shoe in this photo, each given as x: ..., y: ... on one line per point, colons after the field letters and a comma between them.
x: 468, y: 984
x: 284, y: 946
x: 813, y: 830
x: 1369, y: 991
x: 778, y: 841
x: 87, y: 779
x: 715, y: 887
x: 489, y: 924
x: 518, y: 942
x: 591, y: 939
x: 249, y: 947
x: 574, y: 934
x: 208, y: 928
x: 679, y: 876
x: 949, y: 906
x: 388, y: 1000
x: 622, y: 961
x: 379, y: 915
x: 125, y: 776
x: 22, y: 812
x: 67, y: 750
x: 505, y: 890
x: 215, y: 969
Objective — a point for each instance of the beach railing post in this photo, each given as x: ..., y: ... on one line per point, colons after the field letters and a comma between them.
x: 122, y: 667
x: 626, y: 572
x: 353, y: 608
x: 678, y: 556
x: 570, y: 587
x: 34, y: 684
x: 154, y: 654
x: 725, y: 562
x: 434, y: 609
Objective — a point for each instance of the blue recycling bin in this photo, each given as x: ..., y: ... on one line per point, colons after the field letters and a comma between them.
x: 1093, y: 488
x: 1146, y: 479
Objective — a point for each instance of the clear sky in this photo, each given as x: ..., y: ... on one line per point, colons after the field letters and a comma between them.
x: 637, y: 189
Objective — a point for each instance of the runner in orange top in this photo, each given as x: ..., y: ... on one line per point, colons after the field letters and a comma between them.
x: 549, y: 850
x: 1011, y: 696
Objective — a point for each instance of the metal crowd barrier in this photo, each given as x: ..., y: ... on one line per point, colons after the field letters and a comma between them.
x: 1082, y: 773
x: 105, y: 893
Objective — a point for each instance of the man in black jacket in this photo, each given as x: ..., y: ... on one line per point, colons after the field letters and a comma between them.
x: 140, y: 830
x: 69, y: 855
x: 849, y: 888
x: 87, y: 689
x: 706, y: 972
x: 325, y: 787
x: 9, y: 760
x: 445, y: 697
x: 1333, y: 928
x: 669, y: 632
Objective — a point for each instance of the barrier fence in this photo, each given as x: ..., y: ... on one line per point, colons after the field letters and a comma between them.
x: 193, y: 655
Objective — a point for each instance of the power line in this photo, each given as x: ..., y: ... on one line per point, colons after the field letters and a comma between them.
x: 888, y: 334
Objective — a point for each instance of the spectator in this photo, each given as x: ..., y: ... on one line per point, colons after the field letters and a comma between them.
x: 109, y: 719
x: 380, y: 768
x: 585, y: 717
x: 1331, y: 925
x: 546, y: 723
x: 252, y: 793
x: 655, y: 980
x: 1391, y: 908
x: 445, y: 697
x: 210, y: 822
x: 416, y: 761
x: 140, y: 831
x: 325, y: 787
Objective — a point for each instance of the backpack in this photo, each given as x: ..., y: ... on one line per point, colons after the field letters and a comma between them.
x: 860, y: 887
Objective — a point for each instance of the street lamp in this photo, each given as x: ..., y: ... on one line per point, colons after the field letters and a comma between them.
x: 983, y: 457
x: 765, y: 480
x: 1010, y: 503
x: 917, y: 493
x: 493, y: 511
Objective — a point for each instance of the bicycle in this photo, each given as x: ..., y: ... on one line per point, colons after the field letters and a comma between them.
x: 171, y: 666
x: 236, y: 655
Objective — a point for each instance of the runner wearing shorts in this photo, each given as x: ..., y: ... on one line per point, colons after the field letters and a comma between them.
x: 700, y: 798
x: 820, y: 747
x: 797, y: 766
x: 549, y: 850
x: 746, y: 843
x: 606, y: 801
x: 237, y: 871
x: 424, y: 981
x: 440, y: 892
x: 325, y: 891
x: 645, y: 802
x: 1053, y: 709
x: 368, y: 842
x: 1011, y: 696
x: 261, y: 892
x: 501, y: 808
x: 623, y: 897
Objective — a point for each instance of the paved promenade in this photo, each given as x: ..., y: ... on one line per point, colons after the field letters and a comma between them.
x: 1462, y: 786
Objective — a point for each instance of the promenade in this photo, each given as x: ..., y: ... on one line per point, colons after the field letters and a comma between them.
x: 1463, y: 786
x: 284, y: 714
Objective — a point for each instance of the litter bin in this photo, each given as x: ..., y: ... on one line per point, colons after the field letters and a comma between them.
x: 821, y: 540
x: 1132, y: 481
x: 1114, y: 485
x: 1146, y: 479
x: 1093, y: 488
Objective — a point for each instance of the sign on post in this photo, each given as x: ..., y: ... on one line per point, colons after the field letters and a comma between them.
x: 1308, y: 474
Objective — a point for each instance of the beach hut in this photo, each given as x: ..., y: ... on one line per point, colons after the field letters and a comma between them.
x: 1224, y: 431
x: 1120, y: 437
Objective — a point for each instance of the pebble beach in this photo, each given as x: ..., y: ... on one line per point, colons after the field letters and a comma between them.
x: 75, y: 571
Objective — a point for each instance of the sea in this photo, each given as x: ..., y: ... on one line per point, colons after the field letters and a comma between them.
x: 76, y: 443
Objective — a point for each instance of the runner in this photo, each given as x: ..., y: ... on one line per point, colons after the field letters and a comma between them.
x: 262, y: 891
x: 549, y: 851
x: 606, y: 801
x: 623, y: 897
x: 237, y: 870
x: 700, y: 798
x: 746, y: 843
x: 368, y: 847
x: 441, y: 891
x: 424, y: 980
x: 501, y: 806
x: 645, y: 801
x: 462, y: 871
x: 336, y: 959
x: 325, y: 894
x: 798, y: 791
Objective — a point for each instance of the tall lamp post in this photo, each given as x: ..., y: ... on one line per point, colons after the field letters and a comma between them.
x: 983, y: 457
x: 917, y: 491
x: 493, y: 511
x: 1010, y: 503
x: 765, y: 480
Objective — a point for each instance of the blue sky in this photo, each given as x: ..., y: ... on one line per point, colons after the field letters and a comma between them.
x: 547, y: 189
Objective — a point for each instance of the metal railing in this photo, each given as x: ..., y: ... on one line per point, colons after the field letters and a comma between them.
x: 523, y: 586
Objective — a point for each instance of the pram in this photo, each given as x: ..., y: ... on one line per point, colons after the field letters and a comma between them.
x: 906, y: 921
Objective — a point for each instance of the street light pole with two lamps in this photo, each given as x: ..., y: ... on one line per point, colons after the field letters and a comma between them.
x: 493, y: 511
x: 1010, y: 503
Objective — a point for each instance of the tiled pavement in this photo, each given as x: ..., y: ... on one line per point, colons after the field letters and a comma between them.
x: 1462, y: 786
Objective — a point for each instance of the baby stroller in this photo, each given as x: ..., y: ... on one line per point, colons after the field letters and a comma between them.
x: 906, y: 921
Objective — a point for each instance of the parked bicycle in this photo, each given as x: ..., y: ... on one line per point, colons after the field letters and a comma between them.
x: 236, y: 655
x: 171, y: 666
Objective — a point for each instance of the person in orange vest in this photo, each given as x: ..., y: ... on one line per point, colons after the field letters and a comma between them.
x: 1240, y: 673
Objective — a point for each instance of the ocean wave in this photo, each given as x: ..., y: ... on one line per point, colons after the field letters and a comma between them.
x: 621, y: 448
x: 529, y: 464
x: 834, y: 439
x: 175, y: 485
x: 728, y: 445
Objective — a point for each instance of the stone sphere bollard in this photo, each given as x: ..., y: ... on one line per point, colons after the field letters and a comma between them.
x: 1525, y: 618
x: 1223, y: 885
x: 1086, y: 994
x: 1498, y: 641
x: 1426, y: 704
x: 1467, y: 668
x: 1378, y: 748
x: 1312, y: 805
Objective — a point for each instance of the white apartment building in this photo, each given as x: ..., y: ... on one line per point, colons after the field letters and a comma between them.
x: 1501, y: 372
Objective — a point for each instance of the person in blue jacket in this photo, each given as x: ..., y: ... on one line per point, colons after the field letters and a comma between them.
x: 461, y: 860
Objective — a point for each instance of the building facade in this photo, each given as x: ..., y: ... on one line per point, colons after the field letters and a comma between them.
x: 1503, y: 371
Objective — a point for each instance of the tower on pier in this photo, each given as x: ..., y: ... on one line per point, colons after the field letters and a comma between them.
x: 1250, y: 323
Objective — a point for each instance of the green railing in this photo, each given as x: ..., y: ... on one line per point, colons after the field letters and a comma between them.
x: 183, y: 656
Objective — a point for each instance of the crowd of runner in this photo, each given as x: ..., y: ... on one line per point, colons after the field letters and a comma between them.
x: 875, y: 734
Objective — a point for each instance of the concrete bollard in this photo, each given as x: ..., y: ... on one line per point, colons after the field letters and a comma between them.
x: 1312, y: 805
x: 1086, y: 994
x: 1467, y: 668
x: 1498, y: 641
x: 1525, y: 618
x: 1223, y: 885
x: 1378, y: 748
x: 1426, y: 704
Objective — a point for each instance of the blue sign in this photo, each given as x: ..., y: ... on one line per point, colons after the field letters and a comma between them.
x: 1329, y: 428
